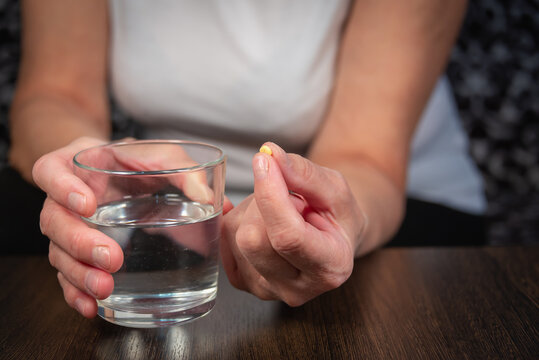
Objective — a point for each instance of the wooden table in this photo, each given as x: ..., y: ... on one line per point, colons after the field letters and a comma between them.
x: 419, y: 303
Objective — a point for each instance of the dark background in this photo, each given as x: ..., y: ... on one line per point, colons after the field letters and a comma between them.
x: 494, y: 70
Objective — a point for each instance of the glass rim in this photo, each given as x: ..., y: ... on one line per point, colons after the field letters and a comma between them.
x: 202, y: 166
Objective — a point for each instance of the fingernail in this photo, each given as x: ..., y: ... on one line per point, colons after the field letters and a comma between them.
x: 79, y: 305
x: 261, y: 167
x: 204, y: 193
x: 101, y: 256
x: 92, y: 282
x: 76, y: 201
x: 198, y: 191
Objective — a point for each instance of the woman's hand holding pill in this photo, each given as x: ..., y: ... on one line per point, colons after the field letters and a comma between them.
x: 296, y: 236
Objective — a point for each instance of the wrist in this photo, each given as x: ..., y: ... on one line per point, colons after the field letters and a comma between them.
x: 381, y: 224
x: 379, y: 205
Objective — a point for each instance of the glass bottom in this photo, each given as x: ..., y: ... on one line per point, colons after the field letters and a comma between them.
x: 153, y: 320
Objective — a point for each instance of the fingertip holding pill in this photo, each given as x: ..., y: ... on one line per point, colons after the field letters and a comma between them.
x: 265, y: 149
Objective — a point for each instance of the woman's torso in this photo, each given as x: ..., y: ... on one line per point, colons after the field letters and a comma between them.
x: 237, y: 73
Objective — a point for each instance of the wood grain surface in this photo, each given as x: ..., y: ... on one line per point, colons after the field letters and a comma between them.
x: 400, y: 303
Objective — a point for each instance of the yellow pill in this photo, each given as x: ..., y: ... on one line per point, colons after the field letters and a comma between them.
x: 265, y: 149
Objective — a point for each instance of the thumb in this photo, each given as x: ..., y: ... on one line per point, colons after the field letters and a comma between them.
x: 276, y: 205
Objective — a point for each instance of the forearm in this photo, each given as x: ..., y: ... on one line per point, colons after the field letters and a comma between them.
x: 392, y: 53
x: 45, y: 122
x: 61, y: 86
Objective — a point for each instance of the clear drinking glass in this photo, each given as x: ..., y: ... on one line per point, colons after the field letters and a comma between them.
x: 162, y: 201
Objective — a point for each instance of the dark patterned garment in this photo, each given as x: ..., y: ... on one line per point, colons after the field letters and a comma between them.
x: 9, y: 60
x: 494, y: 70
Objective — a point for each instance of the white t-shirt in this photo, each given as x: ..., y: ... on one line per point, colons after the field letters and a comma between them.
x: 236, y: 73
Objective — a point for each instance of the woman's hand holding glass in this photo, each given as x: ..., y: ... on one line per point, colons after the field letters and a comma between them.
x: 85, y: 257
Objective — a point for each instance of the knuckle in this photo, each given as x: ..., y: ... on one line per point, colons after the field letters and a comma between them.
x: 265, y: 296
x: 45, y: 218
x: 261, y: 288
x: 248, y: 238
x: 287, y: 239
x: 236, y: 280
x: 305, y: 168
x: 37, y: 169
x: 52, y: 255
x: 332, y: 279
x: 293, y: 299
x: 60, y: 180
x: 76, y: 274
x: 70, y: 293
x: 262, y: 293
x: 76, y: 243
x: 264, y: 197
x: 69, y: 296
x: 48, y: 220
